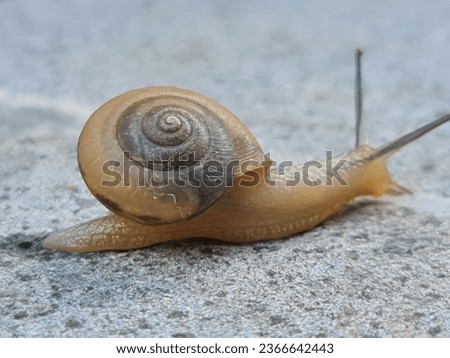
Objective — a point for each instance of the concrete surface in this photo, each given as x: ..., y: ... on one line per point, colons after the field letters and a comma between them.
x: 379, y: 269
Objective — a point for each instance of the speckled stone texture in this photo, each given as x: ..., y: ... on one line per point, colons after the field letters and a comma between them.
x: 381, y: 268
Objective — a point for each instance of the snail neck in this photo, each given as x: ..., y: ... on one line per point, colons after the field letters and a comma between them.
x: 280, y: 205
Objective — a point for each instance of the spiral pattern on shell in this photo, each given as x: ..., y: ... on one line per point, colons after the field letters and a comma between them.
x: 165, y: 135
x: 188, y: 147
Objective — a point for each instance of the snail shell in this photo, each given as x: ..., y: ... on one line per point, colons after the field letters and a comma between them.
x: 176, y: 152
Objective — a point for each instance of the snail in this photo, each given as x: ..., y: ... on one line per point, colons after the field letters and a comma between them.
x: 173, y: 164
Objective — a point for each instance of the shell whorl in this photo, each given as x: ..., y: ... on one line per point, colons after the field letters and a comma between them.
x: 180, y: 149
x: 163, y: 134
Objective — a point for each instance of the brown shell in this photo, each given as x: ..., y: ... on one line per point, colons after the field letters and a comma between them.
x: 163, y: 154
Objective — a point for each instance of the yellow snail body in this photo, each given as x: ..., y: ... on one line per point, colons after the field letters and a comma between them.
x: 252, y: 202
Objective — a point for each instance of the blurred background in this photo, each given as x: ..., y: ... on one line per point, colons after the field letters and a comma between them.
x: 284, y: 62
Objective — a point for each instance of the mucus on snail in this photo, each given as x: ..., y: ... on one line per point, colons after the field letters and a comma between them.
x: 175, y: 137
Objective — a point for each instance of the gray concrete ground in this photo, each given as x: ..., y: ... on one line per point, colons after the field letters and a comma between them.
x: 380, y: 268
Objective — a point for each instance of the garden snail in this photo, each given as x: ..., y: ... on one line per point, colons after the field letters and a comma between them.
x: 189, y: 168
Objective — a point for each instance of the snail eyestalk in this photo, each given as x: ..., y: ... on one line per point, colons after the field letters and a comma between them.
x: 390, y: 148
x: 360, y: 133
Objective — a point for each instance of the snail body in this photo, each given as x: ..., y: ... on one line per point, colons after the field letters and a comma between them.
x: 183, y: 143
x: 243, y: 214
